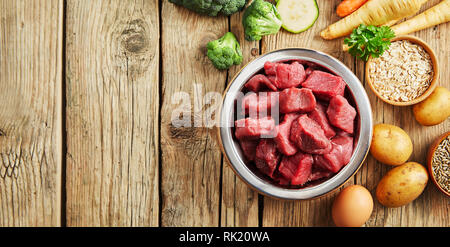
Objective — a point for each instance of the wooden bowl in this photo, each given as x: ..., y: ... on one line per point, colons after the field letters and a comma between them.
x: 433, y: 83
x: 430, y: 155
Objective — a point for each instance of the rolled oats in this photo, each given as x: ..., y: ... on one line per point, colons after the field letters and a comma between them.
x: 403, y: 73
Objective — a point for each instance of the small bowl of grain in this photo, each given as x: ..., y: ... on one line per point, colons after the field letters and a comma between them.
x: 438, y: 162
x: 406, y: 73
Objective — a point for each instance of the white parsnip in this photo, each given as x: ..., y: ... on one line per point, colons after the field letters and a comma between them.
x: 374, y: 12
x: 436, y: 15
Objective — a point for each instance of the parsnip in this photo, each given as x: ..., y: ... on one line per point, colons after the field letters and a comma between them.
x: 433, y: 16
x: 436, y: 15
x: 390, y: 23
x: 374, y: 12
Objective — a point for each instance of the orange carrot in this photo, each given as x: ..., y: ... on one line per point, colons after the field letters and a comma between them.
x: 347, y: 7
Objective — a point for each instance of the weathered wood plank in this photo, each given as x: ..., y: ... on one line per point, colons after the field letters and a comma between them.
x: 315, y: 212
x: 191, y: 157
x: 239, y: 202
x: 432, y: 207
x: 30, y: 112
x: 112, y: 113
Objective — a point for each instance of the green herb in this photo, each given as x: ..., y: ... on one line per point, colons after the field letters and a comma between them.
x: 366, y: 41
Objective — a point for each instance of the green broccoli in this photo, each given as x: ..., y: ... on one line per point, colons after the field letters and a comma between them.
x: 225, y: 52
x: 260, y: 18
x: 212, y: 7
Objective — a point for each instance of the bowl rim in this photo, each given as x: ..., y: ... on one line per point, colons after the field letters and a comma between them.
x: 430, y: 155
x: 433, y: 83
x: 236, y: 162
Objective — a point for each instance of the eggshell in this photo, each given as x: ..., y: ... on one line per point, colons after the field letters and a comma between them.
x: 352, y: 207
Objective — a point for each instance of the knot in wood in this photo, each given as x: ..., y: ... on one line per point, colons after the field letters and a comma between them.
x: 134, y: 39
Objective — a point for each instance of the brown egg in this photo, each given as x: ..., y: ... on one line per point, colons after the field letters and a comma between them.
x: 352, y: 207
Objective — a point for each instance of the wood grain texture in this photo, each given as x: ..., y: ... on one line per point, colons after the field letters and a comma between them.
x: 239, y: 202
x: 432, y: 207
x: 315, y: 212
x: 30, y: 112
x: 112, y: 113
x: 191, y: 157
x: 125, y: 66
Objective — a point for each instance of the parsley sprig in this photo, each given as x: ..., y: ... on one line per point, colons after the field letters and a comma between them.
x: 366, y: 41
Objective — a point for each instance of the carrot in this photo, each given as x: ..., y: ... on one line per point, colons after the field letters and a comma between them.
x: 347, y: 7
x: 374, y: 12
x: 436, y: 15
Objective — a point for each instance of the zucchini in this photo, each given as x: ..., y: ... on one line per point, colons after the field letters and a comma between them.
x: 298, y: 15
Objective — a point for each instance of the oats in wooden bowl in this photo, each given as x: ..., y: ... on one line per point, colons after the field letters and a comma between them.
x: 405, y: 74
x: 438, y: 162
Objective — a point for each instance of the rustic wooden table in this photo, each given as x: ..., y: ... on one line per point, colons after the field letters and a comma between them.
x: 86, y: 102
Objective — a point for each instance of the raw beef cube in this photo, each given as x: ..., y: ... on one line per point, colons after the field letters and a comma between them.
x: 297, y: 100
x: 262, y: 102
x: 319, y: 115
x: 250, y: 128
x: 267, y: 156
x: 324, y: 85
x: 258, y: 82
x: 283, y: 130
x: 341, y: 114
x: 309, y: 137
x: 249, y: 148
x: 317, y: 174
x: 308, y: 71
x: 296, y: 168
x: 285, y: 75
x: 250, y: 103
x: 277, y: 177
x: 339, y: 156
x: 270, y: 68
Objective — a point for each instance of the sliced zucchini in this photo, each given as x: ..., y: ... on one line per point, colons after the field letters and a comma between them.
x: 298, y: 15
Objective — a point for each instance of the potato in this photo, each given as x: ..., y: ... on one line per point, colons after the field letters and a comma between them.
x: 390, y: 144
x: 402, y: 185
x: 435, y: 109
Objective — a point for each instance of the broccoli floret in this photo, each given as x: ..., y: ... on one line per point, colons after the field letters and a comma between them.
x: 225, y: 52
x: 212, y: 7
x: 260, y: 18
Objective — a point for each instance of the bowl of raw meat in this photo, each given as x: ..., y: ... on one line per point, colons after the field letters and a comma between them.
x: 295, y: 124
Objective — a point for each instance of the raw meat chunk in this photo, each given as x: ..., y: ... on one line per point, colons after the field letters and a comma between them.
x: 262, y: 102
x: 250, y: 128
x: 283, y: 130
x: 309, y: 137
x: 285, y: 75
x: 270, y: 68
x: 249, y: 148
x: 319, y: 115
x: 317, y: 174
x: 324, y: 85
x: 308, y: 71
x: 267, y: 156
x: 296, y: 168
x: 258, y: 82
x: 341, y: 114
x: 297, y: 100
x: 339, y: 156
x: 280, y: 179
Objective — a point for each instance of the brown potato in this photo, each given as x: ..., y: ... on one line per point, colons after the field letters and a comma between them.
x: 402, y: 185
x: 435, y: 109
x: 390, y: 144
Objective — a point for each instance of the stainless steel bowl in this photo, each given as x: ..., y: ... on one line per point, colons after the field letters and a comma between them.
x: 232, y: 150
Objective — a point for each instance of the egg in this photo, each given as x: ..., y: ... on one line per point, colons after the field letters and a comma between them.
x: 352, y: 207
